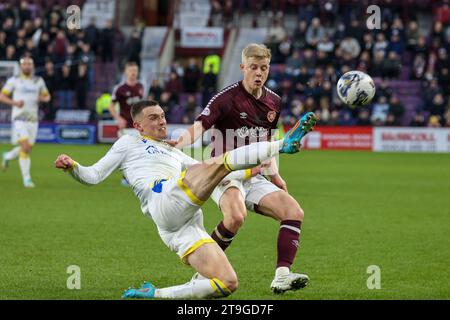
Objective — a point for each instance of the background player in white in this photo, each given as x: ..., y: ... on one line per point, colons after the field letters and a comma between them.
x: 23, y: 93
x: 173, y: 197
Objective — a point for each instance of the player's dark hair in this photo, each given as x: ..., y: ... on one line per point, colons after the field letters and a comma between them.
x: 136, y: 108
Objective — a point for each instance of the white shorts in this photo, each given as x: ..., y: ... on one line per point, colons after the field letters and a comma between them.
x: 177, y: 214
x: 24, y: 130
x: 252, y: 190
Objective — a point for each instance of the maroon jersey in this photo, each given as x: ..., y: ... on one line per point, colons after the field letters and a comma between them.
x: 126, y: 95
x: 239, y: 117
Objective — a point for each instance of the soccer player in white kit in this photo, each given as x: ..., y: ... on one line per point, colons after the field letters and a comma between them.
x: 23, y: 93
x: 172, y: 187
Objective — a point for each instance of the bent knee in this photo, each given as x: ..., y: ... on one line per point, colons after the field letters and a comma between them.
x: 290, y: 212
x: 231, y: 282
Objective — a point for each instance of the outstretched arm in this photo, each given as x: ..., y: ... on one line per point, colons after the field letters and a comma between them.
x: 99, y: 171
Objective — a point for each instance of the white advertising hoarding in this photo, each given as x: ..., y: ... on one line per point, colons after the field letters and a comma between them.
x: 411, y: 139
x: 197, y: 37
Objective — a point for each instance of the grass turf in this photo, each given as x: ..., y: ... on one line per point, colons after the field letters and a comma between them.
x: 362, y: 209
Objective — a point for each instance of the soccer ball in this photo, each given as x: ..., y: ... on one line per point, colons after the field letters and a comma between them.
x: 355, y: 88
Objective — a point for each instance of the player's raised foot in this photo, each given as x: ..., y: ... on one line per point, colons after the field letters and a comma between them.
x: 5, y: 162
x: 289, y: 281
x: 147, y: 291
x: 28, y: 183
x: 293, y: 137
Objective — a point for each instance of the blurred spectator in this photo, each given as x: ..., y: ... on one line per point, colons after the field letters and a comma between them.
x: 155, y: 90
x: 363, y: 117
x: 315, y: 32
x: 107, y: 42
x: 11, y: 54
x: 134, y: 47
x: 59, y: 47
x: 209, y: 83
x: 192, y: 76
x: 325, y: 44
x: 82, y: 85
x: 437, y: 106
x: 412, y: 35
x: 350, y: 46
x: 51, y: 81
x: 293, y: 64
x: 380, y: 111
x: 418, y: 120
x: 299, y: 36
x: 396, y: 44
x: 174, y: 87
x: 380, y: 44
x: 391, y: 65
x: 211, y: 62
x: 191, y: 108
x: 277, y: 32
x: 396, y: 109
x: 66, y: 87
x: 434, y: 122
x: 24, y: 12
x: 92, y: 34
x: 443, y: 13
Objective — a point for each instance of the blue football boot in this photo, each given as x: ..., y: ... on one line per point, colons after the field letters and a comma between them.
x: 292, y: 138
x: 147, y: 291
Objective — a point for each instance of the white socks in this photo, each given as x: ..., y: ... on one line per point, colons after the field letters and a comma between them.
x: 25, y: 163
x: 251, y: 155
x: 199, y: 288
x: 12, y: 154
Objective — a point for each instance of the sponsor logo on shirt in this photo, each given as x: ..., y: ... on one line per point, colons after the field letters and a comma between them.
x: 271, y: 115
x: 243, y: 115
x: 206, y: 112
x: 255, y: 132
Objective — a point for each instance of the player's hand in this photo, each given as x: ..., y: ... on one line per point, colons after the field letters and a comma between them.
x: 64, y: 162
x: 256, y: 170
x: 279, y: 182
x: 44, y: 99
x: 18, y: 103
x: 121, y: 123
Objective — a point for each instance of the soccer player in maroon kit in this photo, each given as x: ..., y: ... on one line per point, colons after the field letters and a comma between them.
x: 126, y: 93
x: 251, y: 110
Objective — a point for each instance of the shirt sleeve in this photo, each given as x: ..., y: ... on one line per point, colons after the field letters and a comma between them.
x: 104, y: 167
x: 8, y: 88
x: 213, y: 111
x: 114, y: 95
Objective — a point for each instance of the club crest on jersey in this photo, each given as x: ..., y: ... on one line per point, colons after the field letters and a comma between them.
x: 271, y: 115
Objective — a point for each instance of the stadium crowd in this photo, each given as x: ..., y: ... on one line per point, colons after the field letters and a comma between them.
x: 330, y: 38
x: 64, y: 58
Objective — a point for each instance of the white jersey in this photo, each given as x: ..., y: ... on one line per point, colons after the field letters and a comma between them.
x: 27, y: 89
x: 142, y: 161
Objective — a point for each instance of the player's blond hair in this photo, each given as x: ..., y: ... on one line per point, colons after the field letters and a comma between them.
x: 255, y: 50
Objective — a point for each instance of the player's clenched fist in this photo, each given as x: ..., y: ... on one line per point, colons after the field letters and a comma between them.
x: 64, y: 162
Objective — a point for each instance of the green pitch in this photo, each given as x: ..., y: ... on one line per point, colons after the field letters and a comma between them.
x: 362, y: 209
